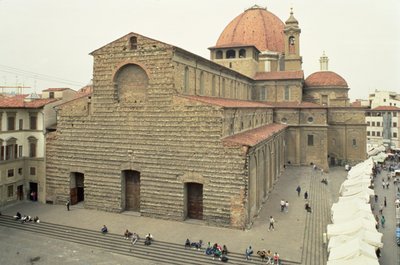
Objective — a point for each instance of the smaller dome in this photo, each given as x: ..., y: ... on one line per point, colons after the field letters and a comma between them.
x: 325, y: 79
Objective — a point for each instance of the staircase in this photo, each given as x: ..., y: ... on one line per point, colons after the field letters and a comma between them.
x: 160, y: 252
x: 314, y: 250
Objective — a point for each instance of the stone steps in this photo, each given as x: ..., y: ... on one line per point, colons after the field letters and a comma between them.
x: 159, y: 252
x: 314, y: 251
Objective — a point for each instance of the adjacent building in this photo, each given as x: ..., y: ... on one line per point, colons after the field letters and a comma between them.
x: 169, y: 134
x: 383, y: 120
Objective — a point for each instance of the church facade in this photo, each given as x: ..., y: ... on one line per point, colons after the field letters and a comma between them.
x: 171, y: 135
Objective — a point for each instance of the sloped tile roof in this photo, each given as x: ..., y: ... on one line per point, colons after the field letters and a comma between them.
x: 285, y: 75
x: 55, y: 89
x: 228, y: 103
x: 18, y: 102
x: 295, y: 104
x: 393, y: 108
x: 254, y: 136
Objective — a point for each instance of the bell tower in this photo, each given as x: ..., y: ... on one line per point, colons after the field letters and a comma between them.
x: 292, y: 31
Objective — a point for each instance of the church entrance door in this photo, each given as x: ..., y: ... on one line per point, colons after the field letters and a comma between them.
x: 195, y: 200
x: 77, y: 187
x: 132, y: 190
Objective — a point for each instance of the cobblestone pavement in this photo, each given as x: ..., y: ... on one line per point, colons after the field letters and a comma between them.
x: 288, y: 238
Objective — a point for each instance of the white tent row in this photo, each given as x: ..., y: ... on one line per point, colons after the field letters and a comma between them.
x: 357, y: 190
x: 358, y: 260
x: 373, y: 238
x: 351, y: 249
x: 351, y: 205
x: 346, y: 216
x: 364, y: 198
x: 380, y: 158
x: 350, y: 228
x: 351, y: 183
x: 360, y: 169
x: 377, y: 150
x: 360, y: 177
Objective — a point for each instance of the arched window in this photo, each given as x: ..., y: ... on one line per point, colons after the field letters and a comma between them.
x: 201, y: 83
x: 11, y: 148
x: 213, y: 88
x: 230, y: 54
x: 287, y: 93
x: 133, y: 43
x: 242, y: 53
x: 131, y: 83
x: 292, y: 48
x: 218, y: 54
x: 32, y: 146
x: 186, y: 81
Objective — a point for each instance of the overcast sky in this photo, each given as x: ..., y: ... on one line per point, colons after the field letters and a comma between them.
x: 46, y: 43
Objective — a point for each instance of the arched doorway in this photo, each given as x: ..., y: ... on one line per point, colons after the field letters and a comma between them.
x: 132, y: 190
x: 194, y: 197
x: 77, y: 192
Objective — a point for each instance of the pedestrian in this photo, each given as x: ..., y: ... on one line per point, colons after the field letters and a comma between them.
x: 376, y: 222
x: 249, y: 252
x: 282, y: 205
x: 306, y: 195
x: 287, y: 206
x: 387, y: 185
x: 383, y: 221
x: 67, y: 204
x: 384, y: 201
x: 298, y: 189
x: 383, y: 184
x: 376, y: 198
x: 271, y: 223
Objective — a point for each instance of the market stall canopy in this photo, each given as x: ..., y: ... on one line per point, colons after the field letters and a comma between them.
x: 373, y: 238
x: 352, y: 249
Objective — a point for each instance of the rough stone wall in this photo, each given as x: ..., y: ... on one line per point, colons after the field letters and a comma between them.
x: 165, y: 139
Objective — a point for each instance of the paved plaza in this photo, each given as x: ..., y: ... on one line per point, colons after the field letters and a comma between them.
x: 295, y: 237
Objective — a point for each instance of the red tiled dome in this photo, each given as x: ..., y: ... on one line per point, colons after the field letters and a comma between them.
x: 255, y: 26
x: 325, y: 79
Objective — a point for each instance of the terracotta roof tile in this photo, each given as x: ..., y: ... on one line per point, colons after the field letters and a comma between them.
x: 55, y: 89
x: 255, y: 136
x: 325, y: 79
x: 18, y: 102
x: 279, y: 75
x: 228, y: 103
x: 295, y: 104
x: 255, y: 26
x: 387, y: 108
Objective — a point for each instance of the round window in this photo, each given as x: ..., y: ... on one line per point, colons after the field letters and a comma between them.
x: 284, y: 120
x: 310, y: 119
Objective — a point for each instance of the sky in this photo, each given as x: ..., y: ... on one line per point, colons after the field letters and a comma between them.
x: 46, y: 43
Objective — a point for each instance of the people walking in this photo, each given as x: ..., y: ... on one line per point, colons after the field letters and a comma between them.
x: 384, y: 201
x: 271, y: 223
x: 298, y: 189
x: 282, y: 205
x: 376, y: 198
x: 383, y: 221
x: 67, y: 204
x: 287, y: 206
x: 248, y: 253
x: 306, y: 195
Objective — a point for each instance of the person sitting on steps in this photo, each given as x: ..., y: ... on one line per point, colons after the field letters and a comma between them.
x: 308, y: 207
x: 148, y: 240
x: 127, y: 234
x: 17, y: 216
x: 104, y: 229
x: 187, y: 243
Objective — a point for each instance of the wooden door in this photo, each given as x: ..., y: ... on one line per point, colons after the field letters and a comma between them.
x: 195, y: 200
x: 132, y: 190
x: 74, y: 196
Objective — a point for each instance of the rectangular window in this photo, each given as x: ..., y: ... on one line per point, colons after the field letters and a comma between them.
x: 262, y: 96
x: 378, y: 124
x: 32, y: 150
x: 32, y: 171
x: 20, y: 151
x: 368, y: 123
x: 10, y: 191
x: 324, y: 100
x: 10, y: 173
x: 354, y: 142
x: 11, y: 123
x: 20, y: 171
x: 368, y: 133
x: 21, y: 124
x: 394, y: 135
x: 373, y: 124
x: 2, y: 153
x: 310, y: 140
x: 33, y: 122
x: 378, y: 133
x: 394, y: 124
x: 51, y: 94
x: 373, y: 133
x: 395, y: 114
x: 9, y: 152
